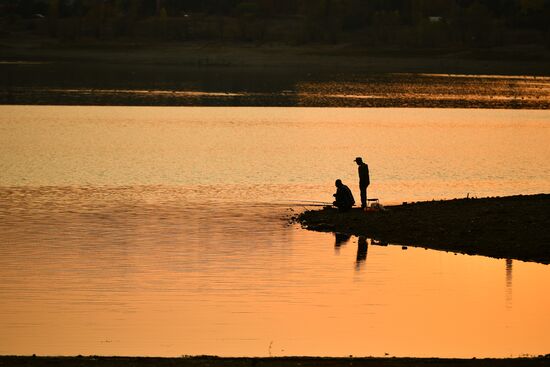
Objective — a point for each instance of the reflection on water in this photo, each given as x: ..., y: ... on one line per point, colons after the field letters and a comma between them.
x: 56, y: 84
x: 163, y: 231
x: 146, y: 271
x: 340, y: 239
x: 509, y: 264
x: 362, y: 248
x: 428, y: 90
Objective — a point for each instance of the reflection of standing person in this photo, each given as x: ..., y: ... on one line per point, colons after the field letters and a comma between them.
x: 364, y: 180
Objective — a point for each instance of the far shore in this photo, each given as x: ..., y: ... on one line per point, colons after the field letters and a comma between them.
x: 48, y: 72
x: 346, y: 58
x: 514, y: 227
x: 211, y: 361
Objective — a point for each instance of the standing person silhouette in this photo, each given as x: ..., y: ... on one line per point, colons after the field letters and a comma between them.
x: 364, y: 180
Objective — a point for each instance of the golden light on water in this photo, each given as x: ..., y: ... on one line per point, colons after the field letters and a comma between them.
x: 163, y: 231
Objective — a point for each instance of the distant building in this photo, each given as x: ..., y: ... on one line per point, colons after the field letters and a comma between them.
x: 435, y: 19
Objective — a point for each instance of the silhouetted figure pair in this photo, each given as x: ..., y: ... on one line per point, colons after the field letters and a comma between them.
x: 364, y: 180
x: 343, y: 198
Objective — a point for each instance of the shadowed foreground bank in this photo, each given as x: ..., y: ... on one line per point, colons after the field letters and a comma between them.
x: 515, y: 227
x: 257, y: 362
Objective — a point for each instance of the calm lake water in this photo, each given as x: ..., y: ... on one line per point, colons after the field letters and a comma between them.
x: 164, y: 231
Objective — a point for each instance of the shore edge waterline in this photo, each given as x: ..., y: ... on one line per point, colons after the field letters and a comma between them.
x: 512, y: 227
x: 213, y: 361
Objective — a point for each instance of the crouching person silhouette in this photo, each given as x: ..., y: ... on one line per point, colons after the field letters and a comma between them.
x: 343, y: 198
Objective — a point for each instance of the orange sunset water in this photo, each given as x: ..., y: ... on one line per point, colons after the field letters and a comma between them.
x: 165, y: 232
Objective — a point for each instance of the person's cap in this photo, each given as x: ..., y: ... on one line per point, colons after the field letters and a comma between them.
x: 358, y: 159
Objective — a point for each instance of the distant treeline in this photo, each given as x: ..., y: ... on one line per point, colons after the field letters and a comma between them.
x: 405, y: 23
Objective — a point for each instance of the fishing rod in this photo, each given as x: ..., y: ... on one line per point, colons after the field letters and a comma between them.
x: 311, y: 201
x: 307, y: 202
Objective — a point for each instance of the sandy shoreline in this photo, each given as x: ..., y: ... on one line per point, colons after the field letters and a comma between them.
x: 203, y: 361
x: 515, y: 227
